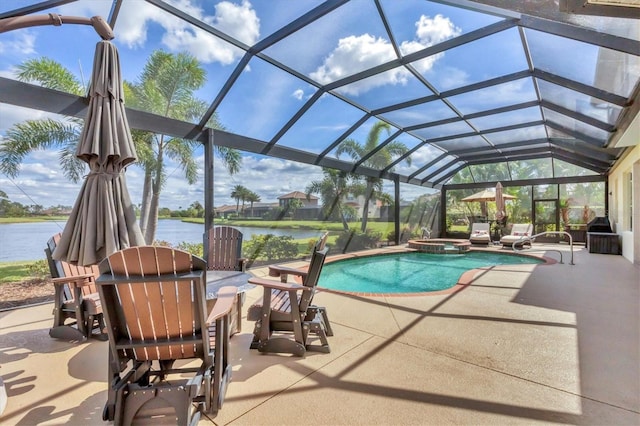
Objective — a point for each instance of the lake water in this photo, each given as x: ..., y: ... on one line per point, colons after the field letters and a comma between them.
x: 26, y: 241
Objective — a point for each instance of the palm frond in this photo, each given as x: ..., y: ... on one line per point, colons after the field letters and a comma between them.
x: 181, y: 150
x: 50, y: 74
x: 32, y: 135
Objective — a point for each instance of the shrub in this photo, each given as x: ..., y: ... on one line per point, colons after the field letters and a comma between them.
x: 311, y: 244
x: 355, y: 240
x: 39, y: 269
x: 270, y: 247
x: 193, y: 248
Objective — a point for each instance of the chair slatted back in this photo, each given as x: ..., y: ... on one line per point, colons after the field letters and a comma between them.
x: 519, y: 229
x: 154, y: 302
x: 311, y: 280
x: 479, y: 226
x: 62, y: 269
x: 225, y: 248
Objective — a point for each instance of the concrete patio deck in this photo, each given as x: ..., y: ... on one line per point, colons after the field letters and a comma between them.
x: 522, y: 344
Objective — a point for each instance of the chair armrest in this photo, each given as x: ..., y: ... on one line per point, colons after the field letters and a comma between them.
x: 76, y: 279
x: 224, y: 302
x: 242, y: 264
x: 277, y: 284
x: 283, y: 271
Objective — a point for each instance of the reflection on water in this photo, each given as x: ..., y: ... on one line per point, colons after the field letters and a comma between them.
x: 26, y: 241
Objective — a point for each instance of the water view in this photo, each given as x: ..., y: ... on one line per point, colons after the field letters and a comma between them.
x: 26, y: 241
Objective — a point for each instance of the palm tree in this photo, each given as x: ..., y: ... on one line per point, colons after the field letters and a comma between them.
x: 380, y: 160
x: 239, y: 193
x: 293, y: 205
x: 166, y: 87
x: 334, y: 186
x: 252, y: 197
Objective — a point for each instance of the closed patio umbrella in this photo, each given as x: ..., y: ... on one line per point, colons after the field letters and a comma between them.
x: 103, y: 219
x: 500, y: 207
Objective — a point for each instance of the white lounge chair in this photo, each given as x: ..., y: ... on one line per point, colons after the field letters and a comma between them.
x: 518, y: 231
x: 480, y: 233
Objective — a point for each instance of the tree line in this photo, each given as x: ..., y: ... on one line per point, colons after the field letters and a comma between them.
x: 10, y: 208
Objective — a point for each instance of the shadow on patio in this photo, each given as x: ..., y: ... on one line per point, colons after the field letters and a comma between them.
x: 521, y: 344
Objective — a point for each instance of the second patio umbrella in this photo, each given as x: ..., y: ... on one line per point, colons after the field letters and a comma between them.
x: 103, y: 219
x: 484, y: 196
x: 500, y: 207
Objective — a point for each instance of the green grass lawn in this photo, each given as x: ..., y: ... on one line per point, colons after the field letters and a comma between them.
x: 383, y: 227
x: 15, y: 271
x: 32, y: 219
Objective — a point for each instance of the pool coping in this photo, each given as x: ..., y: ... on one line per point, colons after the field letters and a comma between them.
x: 466, y: 278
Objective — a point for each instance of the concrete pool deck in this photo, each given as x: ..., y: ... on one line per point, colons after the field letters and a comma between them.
x: 521, y: 344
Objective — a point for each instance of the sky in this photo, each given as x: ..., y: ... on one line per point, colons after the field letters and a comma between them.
x: 264, y: 97
x: 41, y: 180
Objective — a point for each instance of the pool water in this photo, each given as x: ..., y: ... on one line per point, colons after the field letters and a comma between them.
x: 408, y: 272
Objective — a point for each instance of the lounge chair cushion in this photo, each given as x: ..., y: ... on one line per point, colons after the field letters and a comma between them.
x: 480, y: 233
x: 518, y: 231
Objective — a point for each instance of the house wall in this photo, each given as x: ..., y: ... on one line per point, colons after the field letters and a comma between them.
x: 630, y: 238
x: 374, y: 207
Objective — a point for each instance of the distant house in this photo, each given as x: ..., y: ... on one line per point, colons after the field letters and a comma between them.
x: 226, y: 210
x: 309, y: 210
x: 284, y: 200
x: 357, y: 203
x: 259, y: 209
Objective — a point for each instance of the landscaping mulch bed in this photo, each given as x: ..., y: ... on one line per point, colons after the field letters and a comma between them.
x: 17, y: 294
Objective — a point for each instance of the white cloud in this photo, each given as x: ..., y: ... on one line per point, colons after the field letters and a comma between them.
x: 431, y: 31
x: 240, y: 21
x: 453, y: 77
x: 268, y: 177
x: 10, y: 115
x: 23, y: 44
x: 298, y: 94
x: 356, y: 53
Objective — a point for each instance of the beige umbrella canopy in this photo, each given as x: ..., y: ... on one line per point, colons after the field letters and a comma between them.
x: 103, y: 219
x: 487, y: 195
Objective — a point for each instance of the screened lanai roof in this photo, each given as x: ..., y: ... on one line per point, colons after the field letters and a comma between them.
x: 460, y: 83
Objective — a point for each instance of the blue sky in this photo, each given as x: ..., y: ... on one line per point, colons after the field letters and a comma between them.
x: 264, y: 98
x: 248, y: 109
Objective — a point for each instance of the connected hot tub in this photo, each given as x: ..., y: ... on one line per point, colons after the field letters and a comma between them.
x: 440, y: 245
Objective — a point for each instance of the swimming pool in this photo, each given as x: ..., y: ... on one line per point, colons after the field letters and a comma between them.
x: 409, y: 272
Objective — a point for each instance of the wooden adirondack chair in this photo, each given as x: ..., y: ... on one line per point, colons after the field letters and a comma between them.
x: 154, y: 307
x: 225, y: 249
x: 77, y: 311
x: 225, y: 254
x: 284, y: 320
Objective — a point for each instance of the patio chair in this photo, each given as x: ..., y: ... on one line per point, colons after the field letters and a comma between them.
x: 77, y: 311
x: 225, y: 249
x: 154, y: 307
x: 284, y: 271
x: 284, y: 322
x: 225, y: 254
x: 518, y: 232
x: 480, y: 233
